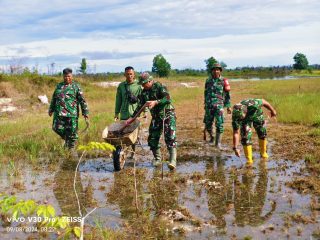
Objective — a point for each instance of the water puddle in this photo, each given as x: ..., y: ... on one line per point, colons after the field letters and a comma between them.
x: 211, y: 195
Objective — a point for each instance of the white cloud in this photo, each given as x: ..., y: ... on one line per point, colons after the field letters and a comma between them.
x: 275, y: 48
x: 248, y: 32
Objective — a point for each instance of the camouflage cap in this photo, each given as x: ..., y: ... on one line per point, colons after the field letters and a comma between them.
x: 145, y: 77
x: 239, y: 111
x: 216, y: 65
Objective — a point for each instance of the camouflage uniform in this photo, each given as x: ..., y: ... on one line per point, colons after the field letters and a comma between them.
x: 216, y: 97
x: 162, y: 111
x: 253, y: 115
x: 65, y: 106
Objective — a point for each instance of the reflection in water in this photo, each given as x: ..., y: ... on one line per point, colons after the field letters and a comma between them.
x: 154, y: 195
x: 123, y: 193
x: 164, y: 192
x: 219, y: 199
x: 250, y: 198
x: 64, y: 192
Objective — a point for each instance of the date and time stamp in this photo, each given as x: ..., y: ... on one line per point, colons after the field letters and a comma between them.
x: 30, y: 229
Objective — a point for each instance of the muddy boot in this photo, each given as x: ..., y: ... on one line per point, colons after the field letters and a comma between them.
x: 157, y: 157
x: 248, y: 153
x: 173, y: 158
x: 263, y: 148
x: 218, y: 140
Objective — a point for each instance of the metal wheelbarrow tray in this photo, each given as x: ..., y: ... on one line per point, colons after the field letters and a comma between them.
x: 128, y: 136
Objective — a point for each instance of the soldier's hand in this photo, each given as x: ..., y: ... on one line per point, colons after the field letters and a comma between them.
x: 151, y: 104
x: 229, y: 110
x: 50, y: 114
x: 86, y: 117
x: 129, y: 121
x: 273, y: 113
x: 116, y: 118
x: 237, y: 152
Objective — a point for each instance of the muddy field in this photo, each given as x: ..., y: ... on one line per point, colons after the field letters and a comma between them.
x: 212, y: 195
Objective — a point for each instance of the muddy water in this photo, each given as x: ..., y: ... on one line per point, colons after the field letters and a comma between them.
x: 217, y: 195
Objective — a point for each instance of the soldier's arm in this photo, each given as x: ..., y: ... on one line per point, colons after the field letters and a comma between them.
x: 118, y: 103
x: 227, y: 100
x: 236, y: 136
x: 269, y: 107
x: 83, y: 103
x: 164, y: 96
x: 141, y: 102
x: 52, y: 103
x: 205, y: 94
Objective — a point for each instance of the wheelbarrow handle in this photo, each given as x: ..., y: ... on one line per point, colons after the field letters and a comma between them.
x: 140, y: 111
x: 135, y: 117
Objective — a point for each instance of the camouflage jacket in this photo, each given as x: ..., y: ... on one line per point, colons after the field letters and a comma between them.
x: 122, y: 104
x: 216, y: 92
x: 252, y: 108
x: 66, y: 99
x: 157, y: 92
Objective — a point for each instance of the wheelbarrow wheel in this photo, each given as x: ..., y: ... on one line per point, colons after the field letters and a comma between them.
x: 118, y: 159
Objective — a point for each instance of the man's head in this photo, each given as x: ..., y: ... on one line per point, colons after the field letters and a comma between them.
x: 239, y: 111
x: 129, y: 74
x: 67, y: 75
x: 216, y: 70
x: 146, y: 80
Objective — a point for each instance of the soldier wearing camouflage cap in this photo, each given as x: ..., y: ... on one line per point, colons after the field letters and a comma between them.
x: 216, y: 97
x: 163, y: 118
x: 64, y: 107
x: 245, y: 114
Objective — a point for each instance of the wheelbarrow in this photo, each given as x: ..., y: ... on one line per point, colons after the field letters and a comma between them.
x: 122, y: 136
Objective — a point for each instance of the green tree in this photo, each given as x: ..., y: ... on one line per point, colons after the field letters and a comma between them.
x: 83, y: 66
x: 301, y: 61
x: 209, y: 63
x: 161, y: 66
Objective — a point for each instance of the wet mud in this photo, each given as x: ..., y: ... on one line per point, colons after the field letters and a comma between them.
x: 211, y: 195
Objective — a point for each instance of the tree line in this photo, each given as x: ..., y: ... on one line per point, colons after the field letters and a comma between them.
x: 162, y: 68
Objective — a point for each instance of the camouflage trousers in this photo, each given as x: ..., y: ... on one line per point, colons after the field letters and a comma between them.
x: 66, y: 128
x: 156, y: 127
x: 259, y: 125
x: 216, y: 114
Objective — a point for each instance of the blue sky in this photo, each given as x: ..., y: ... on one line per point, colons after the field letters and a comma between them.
x: 113, y: 34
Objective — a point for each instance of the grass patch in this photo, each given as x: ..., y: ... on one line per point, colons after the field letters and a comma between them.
x: 296, y: 101
x: 27, y: 134
x: 297, y: 108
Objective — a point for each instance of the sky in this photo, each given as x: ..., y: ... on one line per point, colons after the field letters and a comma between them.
x: 111, y: 34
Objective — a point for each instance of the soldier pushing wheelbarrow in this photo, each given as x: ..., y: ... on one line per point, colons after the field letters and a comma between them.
x: 157, y: 98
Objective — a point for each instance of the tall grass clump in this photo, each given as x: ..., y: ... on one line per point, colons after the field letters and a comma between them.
x: 296, y: 101
x: 297, y: 108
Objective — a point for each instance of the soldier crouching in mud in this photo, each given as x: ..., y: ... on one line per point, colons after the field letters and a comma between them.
x: 245, y: 114
x: 163, y: 115
x: 65, y: 109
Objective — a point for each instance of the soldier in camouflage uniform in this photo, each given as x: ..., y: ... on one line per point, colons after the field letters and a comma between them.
x: 163, y: 118
x: 245, y: 114
x: 65, y: 109
x: 216, y: 97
